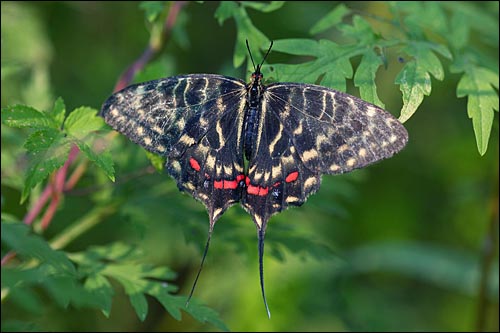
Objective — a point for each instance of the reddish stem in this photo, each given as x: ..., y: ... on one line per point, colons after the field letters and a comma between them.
x: 126, y: 78
x: 58, y: 185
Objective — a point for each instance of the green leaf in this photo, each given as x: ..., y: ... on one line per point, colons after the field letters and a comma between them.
x: 333, y: 18
x: 471, y: 16
x: 18, y: 237
x: 173, y: 304
x: 332, y: 62
x: 42, y: 140
x: 360, y: 31
x: 104, y: 160
x: 49, y: 150
x: 364, y: 78
x: 225, y: 11
x: 82, y: 121
x: 61, y: 288
x: 58, y: 112
x: 262, y: 6
x: 415, y: 82
x: 22, y: 116
x: 101, y: 290
x: 245, y: 30
x: 140, y: 305
x: 459, y: 30
x: 477, y: 84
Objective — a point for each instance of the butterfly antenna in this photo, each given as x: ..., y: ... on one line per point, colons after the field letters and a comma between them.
x: 261, y: 268
x: 267, y: 53
x: 201, y: 265
x: 264, y: 59
x: 250, y: 53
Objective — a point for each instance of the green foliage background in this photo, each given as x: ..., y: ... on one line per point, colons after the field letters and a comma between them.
x: 410, y: 243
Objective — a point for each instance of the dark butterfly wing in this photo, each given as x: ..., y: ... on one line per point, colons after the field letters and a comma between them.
x: 191, y: 120
x: 309, y: 130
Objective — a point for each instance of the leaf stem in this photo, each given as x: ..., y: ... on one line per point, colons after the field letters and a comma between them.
x: 82, y: 225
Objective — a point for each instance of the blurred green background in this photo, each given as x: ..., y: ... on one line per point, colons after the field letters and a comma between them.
x: 396, y: 247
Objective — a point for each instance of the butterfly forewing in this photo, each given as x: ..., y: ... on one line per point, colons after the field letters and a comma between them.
x: 334, y: 132
x: 193, y: 120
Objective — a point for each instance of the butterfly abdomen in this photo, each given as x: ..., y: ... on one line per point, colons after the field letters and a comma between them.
x: 252, y: 116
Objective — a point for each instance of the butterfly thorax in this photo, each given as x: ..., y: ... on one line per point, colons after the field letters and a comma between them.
x: 252, y: 113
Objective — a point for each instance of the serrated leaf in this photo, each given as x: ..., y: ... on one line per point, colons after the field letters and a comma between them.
x: 476, y: 18
x: 174, y: 304
x: 246, y: 31
x: 18, y: 237
x: 22, y: 116
x: 333, y: 18
x: 58, y: 112
x: 104, y: 160
x: 26, y: 298
x: 48, y: 154
x: 426, y: 59
x: 414, y: 84
x: 477, y: 84
x: 61, y: 288
x: 225, y: 11
x: 459, y: 30
x: 245, y: 28
x: 204, y: 314
x: 332, y: 62
x: 140, y: 305
x: 101, y: 290
x: 138, y: 280
x: 263, y: 6
x: 360, y: 30
x: 42, y: 140
x: 82, y: 121
x: 364, y: 78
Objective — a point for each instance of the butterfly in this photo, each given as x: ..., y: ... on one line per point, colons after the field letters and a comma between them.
x: 264, y: 146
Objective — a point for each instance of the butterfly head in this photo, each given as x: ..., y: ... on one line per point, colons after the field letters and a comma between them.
x: 257, y: 75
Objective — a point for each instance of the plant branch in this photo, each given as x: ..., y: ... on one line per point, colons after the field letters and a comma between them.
x: 156, y: 43
x: 55, y: 189
x: 82, y: 225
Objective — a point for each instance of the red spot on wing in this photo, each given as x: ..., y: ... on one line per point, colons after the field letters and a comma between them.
x: 257, y: 190
x: 228, y: 184
x: 263, y: 191
x: 194, y: 164
x: 292, y: 176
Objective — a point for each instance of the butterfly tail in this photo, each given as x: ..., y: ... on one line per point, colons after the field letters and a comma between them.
x: 261, y: 233
x: 201, y: 265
